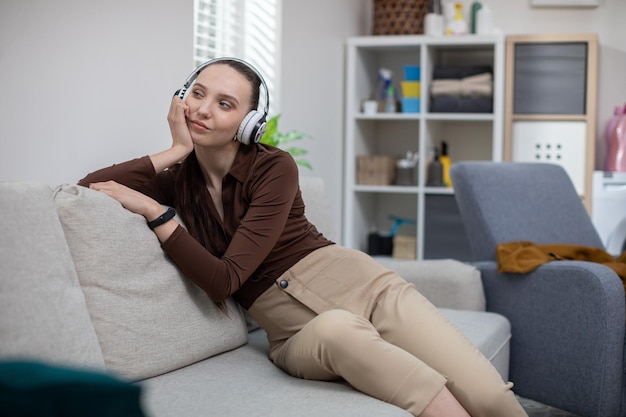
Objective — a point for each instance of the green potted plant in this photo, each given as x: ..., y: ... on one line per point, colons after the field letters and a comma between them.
x: 274, y: 137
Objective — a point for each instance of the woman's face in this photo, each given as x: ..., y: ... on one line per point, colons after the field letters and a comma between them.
x: 218, y: 102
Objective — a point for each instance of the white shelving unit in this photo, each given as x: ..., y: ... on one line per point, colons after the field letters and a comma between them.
x: 470, y: 136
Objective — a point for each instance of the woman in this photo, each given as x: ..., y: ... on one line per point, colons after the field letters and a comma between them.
x: 329, y: 312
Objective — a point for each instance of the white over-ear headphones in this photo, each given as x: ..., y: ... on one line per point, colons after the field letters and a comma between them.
x: 253, y: 125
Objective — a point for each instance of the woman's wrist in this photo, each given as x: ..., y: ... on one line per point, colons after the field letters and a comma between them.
x: 154, y: 211
x: 180, y: 151
x: 169, y: 157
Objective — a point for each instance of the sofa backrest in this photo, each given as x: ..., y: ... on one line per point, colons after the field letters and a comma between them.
x: 317, y: 208
x: 519, y: 201
x: 43, y: 314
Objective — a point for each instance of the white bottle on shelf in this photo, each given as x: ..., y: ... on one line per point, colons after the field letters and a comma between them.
x: 484, y: 20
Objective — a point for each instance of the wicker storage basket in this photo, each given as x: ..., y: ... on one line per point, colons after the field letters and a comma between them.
x: 399, y: 17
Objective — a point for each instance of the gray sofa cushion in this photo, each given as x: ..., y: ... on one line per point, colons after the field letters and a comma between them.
x: 489, y: 332
x: 148, y: 317
x: 245, y: 383
x: 42, y: 308
x: 447, y: 283
x: 211, y: 388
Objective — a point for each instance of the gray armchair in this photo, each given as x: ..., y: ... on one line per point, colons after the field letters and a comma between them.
x: 567, y: 317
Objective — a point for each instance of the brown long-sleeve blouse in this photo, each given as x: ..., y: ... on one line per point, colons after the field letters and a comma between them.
x: 264, y: 231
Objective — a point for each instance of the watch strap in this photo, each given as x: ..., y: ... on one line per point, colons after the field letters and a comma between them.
x: 168, y: 215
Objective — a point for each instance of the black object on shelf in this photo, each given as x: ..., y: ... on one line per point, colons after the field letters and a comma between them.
x: 379, y: 245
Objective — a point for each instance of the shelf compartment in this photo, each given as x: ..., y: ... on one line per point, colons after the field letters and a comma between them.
x: 467, y: 140
x: 444, y: 232
x: 372, y: 213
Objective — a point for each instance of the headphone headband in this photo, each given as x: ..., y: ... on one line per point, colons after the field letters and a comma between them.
x: 192, y: 77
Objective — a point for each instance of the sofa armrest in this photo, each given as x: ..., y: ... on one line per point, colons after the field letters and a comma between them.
x: 567, y: 320
x: 446, y: 283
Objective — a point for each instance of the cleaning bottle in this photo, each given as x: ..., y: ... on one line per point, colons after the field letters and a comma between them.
x: 383, y: 82
x: 445, y: 162
x: 611, y: 148
x: 435, y: 172
x: 390, y: 99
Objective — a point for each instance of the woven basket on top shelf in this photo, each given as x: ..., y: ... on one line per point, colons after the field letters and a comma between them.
x: 399, y: 17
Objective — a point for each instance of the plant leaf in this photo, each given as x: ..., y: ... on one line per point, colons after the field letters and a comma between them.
x: 271, y: 130
x: 273, y: 137
x: 304, y: 163
x: 296, y: 151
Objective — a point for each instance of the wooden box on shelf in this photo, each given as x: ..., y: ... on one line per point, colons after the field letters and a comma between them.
x: 404, y: 247
x: 376, y: 170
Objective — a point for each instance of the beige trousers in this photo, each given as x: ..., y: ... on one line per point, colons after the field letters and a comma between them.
x: 339, y: 314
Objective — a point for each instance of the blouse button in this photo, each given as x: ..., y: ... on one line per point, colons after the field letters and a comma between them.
x: 284, y: 283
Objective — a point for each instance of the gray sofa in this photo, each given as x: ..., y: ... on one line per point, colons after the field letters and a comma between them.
x: 84, y: 283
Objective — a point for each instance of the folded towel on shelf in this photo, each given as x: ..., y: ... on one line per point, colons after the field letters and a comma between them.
x: 480, y: 85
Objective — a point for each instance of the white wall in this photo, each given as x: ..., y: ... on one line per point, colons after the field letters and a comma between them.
x: 87, y: 83
x: 313, y: 49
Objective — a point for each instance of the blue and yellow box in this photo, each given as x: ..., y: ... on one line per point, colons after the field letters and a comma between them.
x: 411, y: 88
x: 411, y: 105
x: 412, y: 72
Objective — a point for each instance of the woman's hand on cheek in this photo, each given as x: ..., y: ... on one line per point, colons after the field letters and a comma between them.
x: 177, y: 120
x: 182, y: 145
x: 131, y: 200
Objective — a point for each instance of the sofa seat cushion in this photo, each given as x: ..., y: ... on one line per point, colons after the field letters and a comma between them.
x: 244, y: 383
x: 489, y: 332
x: 148, y: 317
x: 43, y: 314
x: 215, y: 387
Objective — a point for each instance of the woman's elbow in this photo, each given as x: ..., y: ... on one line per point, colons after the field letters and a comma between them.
x: 218, y: 295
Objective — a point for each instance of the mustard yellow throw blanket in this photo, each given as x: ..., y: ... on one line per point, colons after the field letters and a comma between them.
x: 524, y: 256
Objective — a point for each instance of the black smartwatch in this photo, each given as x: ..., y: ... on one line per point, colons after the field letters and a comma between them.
x: 168, y: 215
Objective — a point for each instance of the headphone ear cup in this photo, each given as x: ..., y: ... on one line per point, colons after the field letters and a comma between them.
x: 251, y: 128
